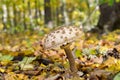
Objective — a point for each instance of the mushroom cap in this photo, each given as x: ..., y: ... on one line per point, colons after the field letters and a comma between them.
x: 62, y: 36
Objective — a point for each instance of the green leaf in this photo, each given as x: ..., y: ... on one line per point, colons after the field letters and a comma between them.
x: 117, y: 76
x: 6, y: 58
x: 78, y: 53
x: 92, y: 51
x: 66, y: 64
x: 101, y: 1
x: 89, y: 51
x: 27, y: 66
x: 41, y: 33
x: 111, y: 2
x: 27, y: 60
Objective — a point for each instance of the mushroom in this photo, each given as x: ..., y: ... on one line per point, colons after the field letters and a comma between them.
x: 63, y: 37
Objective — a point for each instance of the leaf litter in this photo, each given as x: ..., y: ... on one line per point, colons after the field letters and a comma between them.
x: 23, y: 58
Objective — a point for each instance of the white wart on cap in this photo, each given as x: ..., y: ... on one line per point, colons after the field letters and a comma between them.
x: 62, y: 36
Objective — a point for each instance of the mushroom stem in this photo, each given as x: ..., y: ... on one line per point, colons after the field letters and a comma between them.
x: 71, y: 59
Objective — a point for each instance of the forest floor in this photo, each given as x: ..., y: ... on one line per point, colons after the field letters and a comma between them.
x: 22, y: 57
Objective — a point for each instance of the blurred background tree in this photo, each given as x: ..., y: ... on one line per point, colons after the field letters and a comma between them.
x: 29, y: 15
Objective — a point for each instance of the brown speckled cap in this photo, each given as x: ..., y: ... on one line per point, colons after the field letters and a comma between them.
x: 62, y: 36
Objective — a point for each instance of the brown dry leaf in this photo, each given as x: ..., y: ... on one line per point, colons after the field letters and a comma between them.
x: 13, y: 76
x: 31, y: 72
x: 98, y: 60
x: 53, y: 77
x: 100, y: 74
x: 76, y: 78
x: 41, y: 78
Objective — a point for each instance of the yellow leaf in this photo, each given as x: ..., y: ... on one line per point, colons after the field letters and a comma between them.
x: 2, y: 70
x: 1, y: 26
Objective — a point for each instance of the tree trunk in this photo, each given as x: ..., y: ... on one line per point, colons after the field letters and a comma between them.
x: 47, y: 12
x: 109, y: 18
x: 24, y: 12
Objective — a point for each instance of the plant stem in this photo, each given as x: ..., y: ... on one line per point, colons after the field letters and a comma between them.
x: 71, y: 59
